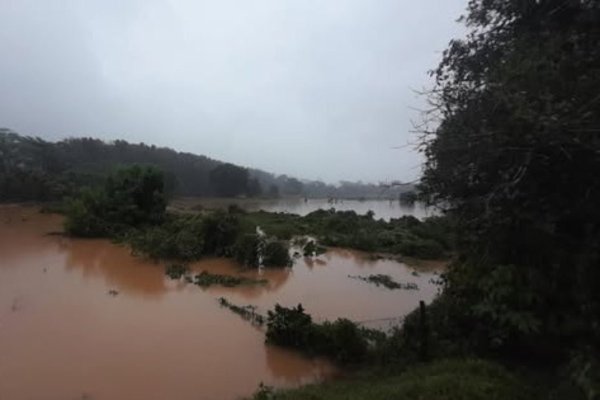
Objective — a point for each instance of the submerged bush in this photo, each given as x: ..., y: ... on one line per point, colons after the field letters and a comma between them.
x: 276, y: 254
x: 341, y: 340
x: 386, y: 281
x: 311, y: 249
x: 431, y: 238
x: 247, y: 250
x: 180, y: 238
x: 248, y: 312
x: 290, y: 327
x: 221, y: 231
x: 206, y: 279
x: 131, y: 197
x: 176, y: 271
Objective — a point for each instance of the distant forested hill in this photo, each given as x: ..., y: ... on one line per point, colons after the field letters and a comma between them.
x: 34, y: 169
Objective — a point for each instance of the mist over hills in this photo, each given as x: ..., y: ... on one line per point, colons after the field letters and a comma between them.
x: 36, y: 169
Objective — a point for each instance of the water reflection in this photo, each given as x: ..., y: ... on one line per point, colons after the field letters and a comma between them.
x: 115, y: 265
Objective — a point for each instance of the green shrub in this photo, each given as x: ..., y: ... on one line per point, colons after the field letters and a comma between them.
x: 290, y: 327
x: 276, y: 254
x: 220, y: 232
x: 246, y: 250
x: 420, y: 248
x: 176, y: 271
x: 341, y: 340
x: 180, y: 238
x: 131, y: 197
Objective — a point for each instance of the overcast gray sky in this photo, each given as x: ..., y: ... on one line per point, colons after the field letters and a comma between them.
x: 318, y: 89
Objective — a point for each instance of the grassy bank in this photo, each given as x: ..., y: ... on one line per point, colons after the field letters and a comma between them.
x: 443, y: 380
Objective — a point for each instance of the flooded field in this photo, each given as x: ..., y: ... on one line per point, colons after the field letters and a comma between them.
x: 385, y: 209
x: 83, y: 319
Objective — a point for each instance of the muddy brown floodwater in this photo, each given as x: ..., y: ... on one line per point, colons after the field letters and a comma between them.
x: 83, y: 319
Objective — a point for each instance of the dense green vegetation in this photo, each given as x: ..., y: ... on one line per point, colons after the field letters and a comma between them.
x: 431, y: 238
x: 512, y: 156
x: 515, y: 161
x: 38, y: 170
x: 342, y: 340
x: 130, y: 208
x: 131, y: 197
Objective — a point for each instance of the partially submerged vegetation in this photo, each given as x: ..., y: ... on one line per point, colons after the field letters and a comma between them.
x: 247, y: 312
x: 131, y: 208
x: 432, y: 238
x: 386, y: 281
x: 206, y: 279
x: 176, y: 271
x: 342, y: 340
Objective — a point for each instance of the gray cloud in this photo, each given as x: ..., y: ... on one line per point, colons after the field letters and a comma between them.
x: 315, y: 89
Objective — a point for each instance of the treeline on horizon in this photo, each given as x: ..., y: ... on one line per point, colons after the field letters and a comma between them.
x: 33, y: 169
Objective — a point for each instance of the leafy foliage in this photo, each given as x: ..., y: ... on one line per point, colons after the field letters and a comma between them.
x: 247, y: 249
x: 131, y: 197
x: 514, y: 157
x: 432, y: 238
x: 341, y: 340
x: 276, y: 254
x: 178, y: 238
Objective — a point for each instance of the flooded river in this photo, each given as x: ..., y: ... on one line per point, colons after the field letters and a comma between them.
x: 83, y: 319
x: 385, y: 209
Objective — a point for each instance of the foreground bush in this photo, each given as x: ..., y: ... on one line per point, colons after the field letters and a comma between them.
x: 341, y: 340
x: 456, y: 379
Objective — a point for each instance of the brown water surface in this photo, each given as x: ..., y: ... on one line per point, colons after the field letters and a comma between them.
x: 63, y: 335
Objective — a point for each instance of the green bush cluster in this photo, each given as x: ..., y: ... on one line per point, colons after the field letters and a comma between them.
x: 189, y: 237
x: 247, y: 249
x: 176, y: 271
x: 131, y: 197
x: 275, y: 253
x: 430, y: 239
x: 341, y: 340
x: 180, y: 237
